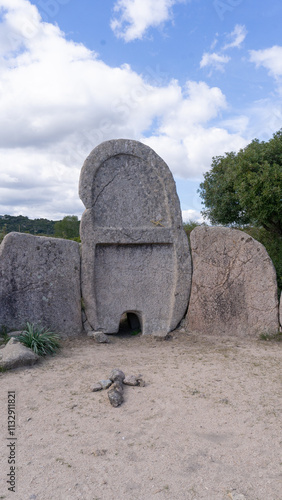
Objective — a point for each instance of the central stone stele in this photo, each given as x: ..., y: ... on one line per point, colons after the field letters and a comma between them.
x: 135, y: 253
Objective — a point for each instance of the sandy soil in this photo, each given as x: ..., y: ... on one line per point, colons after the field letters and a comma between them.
x: 207, y: 425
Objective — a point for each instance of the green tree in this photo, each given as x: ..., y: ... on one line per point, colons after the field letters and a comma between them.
x: 67, y: 228
x: 246, y: 188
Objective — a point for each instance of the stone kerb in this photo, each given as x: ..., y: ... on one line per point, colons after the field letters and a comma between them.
x: 234, y: 287
x: 135, y: 254
x: 40, y: 283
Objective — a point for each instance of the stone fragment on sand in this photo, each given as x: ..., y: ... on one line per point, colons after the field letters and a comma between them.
x: 16, y: 354
x: 118, y: 386
x: 99, y: 453
x: 105, y: 383
x: 158, y: 337
x: 115, y: 397
x: 236, y: 496
x: 130, y: 380
x: 117, y: 374
x: 96, y: 387
x: 140, y: 382
x: 99, y: 337
x: 234, y: 285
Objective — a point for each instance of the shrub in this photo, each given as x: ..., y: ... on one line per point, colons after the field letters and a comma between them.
x: 41, y: 340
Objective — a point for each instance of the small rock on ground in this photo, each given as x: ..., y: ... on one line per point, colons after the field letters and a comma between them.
x: 16, y: 354
x: 117, y: 374
x: 105, y: 383
x: 140, y: 382
x: 115, y: 397
x: 130, y: 380
x: 96, y: 387
x: 99, y: 337
x: 236, y: 496
x: 117, y: 386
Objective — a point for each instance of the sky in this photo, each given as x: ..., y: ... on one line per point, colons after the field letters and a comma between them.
x: 192, y: 79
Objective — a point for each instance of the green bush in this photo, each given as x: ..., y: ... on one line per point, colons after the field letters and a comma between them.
x: 189, y: 226
x: 41, y: 340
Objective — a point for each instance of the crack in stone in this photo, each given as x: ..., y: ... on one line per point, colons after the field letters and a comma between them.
x: 103, y: 189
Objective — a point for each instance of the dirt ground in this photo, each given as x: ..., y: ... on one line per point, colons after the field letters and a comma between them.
x: 207, y: 425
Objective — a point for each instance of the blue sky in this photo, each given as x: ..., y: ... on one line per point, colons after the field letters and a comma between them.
x: 192, y: 79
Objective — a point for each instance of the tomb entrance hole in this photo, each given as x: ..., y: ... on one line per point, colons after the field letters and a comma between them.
x: 130, y: 323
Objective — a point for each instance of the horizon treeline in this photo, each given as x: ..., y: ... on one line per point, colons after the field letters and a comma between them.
x: 67, y: 228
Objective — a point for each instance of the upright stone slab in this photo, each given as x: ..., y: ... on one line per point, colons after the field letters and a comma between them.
x: 135, y: 254
x: 234, y: 287
x: 40, y: 283
x: 280, y: 312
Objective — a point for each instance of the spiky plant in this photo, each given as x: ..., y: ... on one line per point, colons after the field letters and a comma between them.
x: 41, y: 340
x: 4, y: 337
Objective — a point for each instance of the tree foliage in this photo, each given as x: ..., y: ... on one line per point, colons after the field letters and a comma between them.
x: 67, y: 228
x: 23, y: 224
x: 246, y: 188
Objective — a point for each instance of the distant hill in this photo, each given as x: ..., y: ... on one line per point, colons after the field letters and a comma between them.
x: 21, y: 224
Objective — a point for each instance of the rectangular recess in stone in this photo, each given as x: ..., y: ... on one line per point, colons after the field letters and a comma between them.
x: 138, y: 277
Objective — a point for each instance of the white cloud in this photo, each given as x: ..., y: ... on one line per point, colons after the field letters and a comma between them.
x: 134, y: 17
x: 193, y: 151
x: 237, y: 37
x: 58, y: 100
x: 192, y: 215
x: 216, y: 61
x: 270, y: 59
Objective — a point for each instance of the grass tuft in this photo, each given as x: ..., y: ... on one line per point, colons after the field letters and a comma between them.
x: 4, y: 337
x: 41, y: 340
x: 271, y: 336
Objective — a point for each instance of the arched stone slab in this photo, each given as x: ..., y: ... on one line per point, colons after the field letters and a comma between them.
x: 135, y: 254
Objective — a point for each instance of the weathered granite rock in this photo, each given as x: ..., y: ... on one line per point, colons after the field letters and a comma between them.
x: 96, y: 387
x: 115, y: 397
x: 236, y: 496
x: 105, y: 383
x: 40, y: 283
x: 118, y: 386
x: 280, y: 311
x: 99, y: 337
x: 15, y: 333
x: 135, y: 254
x: 130, y: 380
x: 117, y: 374
x: 141, y: 382
x: 16, y: 354
x: 234, y: 288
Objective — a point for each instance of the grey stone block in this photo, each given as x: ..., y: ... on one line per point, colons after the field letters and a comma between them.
x: 135, y: 254
x: 234, y: 287
x: 40, y: 283
x: 15, y: 355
